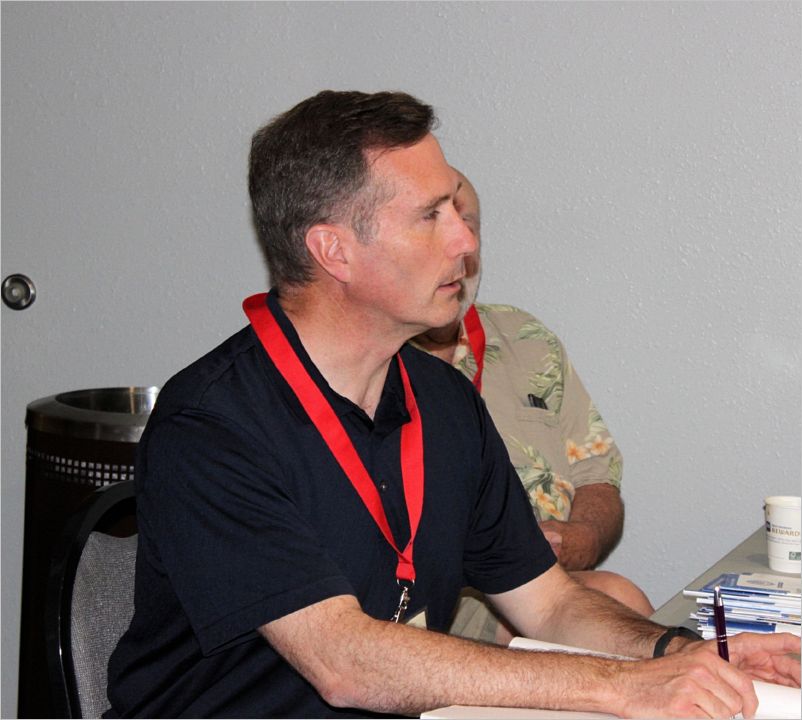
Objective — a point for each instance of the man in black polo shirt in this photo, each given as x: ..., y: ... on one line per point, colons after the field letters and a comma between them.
x: 314, y: 482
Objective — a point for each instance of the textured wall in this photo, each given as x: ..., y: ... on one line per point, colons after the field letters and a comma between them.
x: 639, y: 166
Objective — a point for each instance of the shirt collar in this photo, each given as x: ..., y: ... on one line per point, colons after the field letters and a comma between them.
x: 463, y: 345
x: 391, y: 412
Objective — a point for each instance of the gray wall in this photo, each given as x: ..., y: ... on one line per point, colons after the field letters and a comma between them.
x: 639, y: 166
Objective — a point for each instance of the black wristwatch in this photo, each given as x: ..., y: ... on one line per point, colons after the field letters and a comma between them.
x: 670, y: 633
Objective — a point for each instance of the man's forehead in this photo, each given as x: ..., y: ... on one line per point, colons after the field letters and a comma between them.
x: 467, y: 196
x: 413, y: 163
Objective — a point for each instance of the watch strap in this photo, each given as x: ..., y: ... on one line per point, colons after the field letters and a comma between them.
x: 670, y: 633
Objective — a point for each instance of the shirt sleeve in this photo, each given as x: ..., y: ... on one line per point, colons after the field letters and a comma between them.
x: 236, y: 548
x: 592, y: 453
x: 505, y: 547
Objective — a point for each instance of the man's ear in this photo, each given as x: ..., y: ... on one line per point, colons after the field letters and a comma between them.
x: 328, y: 246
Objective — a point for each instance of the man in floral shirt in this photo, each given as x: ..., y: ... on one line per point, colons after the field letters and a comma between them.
x: 561, y: 448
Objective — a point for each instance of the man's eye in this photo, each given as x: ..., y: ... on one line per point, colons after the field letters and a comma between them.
x: 431, y: 215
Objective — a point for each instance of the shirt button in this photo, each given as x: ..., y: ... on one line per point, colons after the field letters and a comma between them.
x: 383, y: 485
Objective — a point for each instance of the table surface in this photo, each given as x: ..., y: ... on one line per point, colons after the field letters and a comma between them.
x: 748, y: 557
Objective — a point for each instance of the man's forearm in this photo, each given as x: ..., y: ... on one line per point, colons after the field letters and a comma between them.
x: 466, y: 673
x: 593, y: 620
x: 355, y: 661
x: 556, y: 608
x: 381, y: 666
x: 593, y: 528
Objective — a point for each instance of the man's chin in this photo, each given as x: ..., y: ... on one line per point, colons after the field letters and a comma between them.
x: 444, y: 319
x: 447, y: 321
x: 454, y: 313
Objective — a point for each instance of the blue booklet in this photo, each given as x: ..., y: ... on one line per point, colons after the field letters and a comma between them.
x: 752, y: 584
x: 755, y: 602
x: 707, y: 627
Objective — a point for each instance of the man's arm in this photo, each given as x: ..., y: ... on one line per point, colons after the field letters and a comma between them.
x: 556, y: 608
x: 592, y: 530
x: 356, y: 661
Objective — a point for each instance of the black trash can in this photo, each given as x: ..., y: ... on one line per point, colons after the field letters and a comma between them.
x: 77, y: 442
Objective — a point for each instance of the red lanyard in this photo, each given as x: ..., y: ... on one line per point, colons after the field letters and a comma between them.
x: 329, y: 426
x: 476, y: 339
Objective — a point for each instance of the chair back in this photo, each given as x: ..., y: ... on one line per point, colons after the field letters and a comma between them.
x: 90, y: 600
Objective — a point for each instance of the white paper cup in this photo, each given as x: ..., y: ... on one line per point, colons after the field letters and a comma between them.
x: 784, y: 532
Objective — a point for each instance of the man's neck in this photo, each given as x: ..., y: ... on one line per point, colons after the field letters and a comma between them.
x: 352, y: 355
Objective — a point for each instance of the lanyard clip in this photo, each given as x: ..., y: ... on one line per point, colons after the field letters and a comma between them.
x: 403, y: 602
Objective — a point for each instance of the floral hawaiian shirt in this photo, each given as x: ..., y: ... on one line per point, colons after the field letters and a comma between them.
x: 557, y: 448
x: 556, y: 440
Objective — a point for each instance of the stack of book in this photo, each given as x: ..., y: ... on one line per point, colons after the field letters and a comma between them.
x: 753, y: 602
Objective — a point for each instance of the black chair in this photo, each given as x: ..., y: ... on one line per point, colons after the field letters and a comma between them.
x: 90, y: 599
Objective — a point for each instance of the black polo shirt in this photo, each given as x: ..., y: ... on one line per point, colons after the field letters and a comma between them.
x: 245, y: 516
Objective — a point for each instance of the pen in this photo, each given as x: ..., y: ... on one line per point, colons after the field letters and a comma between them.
x: 536, y: 402
x: 721, y: 625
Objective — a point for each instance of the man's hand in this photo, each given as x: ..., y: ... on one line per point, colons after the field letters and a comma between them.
x: 693, y: 682
x: 575, y: 543
x: 766, y: 657
x: 552, y: 531
x: 353, y: 661
x: 696, y: 681
x: 593, y: 529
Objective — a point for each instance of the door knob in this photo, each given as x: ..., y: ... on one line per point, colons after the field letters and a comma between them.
x: 18, y: 291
